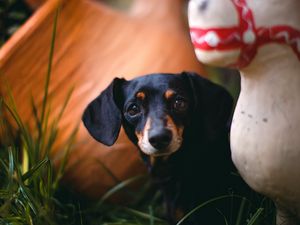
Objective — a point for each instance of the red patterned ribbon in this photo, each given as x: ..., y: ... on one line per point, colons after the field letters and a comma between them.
x: 245, y: 36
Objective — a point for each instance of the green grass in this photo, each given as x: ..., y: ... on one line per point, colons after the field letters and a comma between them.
x: 31, y: 191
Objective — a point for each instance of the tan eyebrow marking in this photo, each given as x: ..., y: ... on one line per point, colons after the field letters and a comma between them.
x: 141, y: 95
x: 169, y: 93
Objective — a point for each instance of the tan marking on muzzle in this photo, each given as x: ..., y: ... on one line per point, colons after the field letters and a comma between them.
x: 139, y: 135
x: 173, y: 127
x: 176, y: 134
x: 143, y: 141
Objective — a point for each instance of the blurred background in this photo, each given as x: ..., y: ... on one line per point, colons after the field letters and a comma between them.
x: 95, y: 41
x: 13, y: 13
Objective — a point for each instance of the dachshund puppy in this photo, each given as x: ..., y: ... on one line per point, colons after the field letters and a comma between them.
x: 180, y: 124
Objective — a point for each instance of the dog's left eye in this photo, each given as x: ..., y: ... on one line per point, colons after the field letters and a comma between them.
x: 133, y: 109
x: 180, y: 105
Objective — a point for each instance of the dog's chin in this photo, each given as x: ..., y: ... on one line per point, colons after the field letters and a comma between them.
x: 151, y: 151
x: 162, y: 154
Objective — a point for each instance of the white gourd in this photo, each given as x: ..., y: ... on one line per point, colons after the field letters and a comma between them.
x: 265, y: 132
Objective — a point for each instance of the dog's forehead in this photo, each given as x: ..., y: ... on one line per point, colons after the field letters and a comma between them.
x: 155, y: 83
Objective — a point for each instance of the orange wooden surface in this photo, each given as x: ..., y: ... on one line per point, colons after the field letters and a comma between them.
x: 94, y: 44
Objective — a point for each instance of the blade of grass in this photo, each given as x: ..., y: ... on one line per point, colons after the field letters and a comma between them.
x: 49, y: 70
x: 11, y: 163
x: 241, y: 210
x: 47, y: 143
x: 80, y: 214
x: 118, y: 187
x: 6, y: 204
x: 44, y: 113
x: 10, y: 105
x: 67, y: 99
x: 15, y: 220
x: 120, y: 223
x: 54, y: 126
x: 108, y: 171
x: 1, y: 108
x: 206, y: 203
x: 34, y: 206
x: 222, y: 214
x: 50, y: 191
x: 151, y: 222
x: 4, y: 165
x: 255, y: 217
x: 143, y: 215
x: 33, y: 170
x: 12, y: 109
x: 25, y: 160
x: 36, y: 116
x: 69, y: 143
x: 42, y: 142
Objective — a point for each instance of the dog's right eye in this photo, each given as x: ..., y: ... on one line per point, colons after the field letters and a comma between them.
x: 180, y: 105
x: 133, y: 110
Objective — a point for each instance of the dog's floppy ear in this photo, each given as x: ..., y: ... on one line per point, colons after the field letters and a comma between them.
x: 212, y: 102
x: 102, y: 117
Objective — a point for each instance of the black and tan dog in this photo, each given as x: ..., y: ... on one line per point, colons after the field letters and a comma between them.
x: 180, y: 124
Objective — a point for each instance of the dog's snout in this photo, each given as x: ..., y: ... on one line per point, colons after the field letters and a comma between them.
x: 160, y: 139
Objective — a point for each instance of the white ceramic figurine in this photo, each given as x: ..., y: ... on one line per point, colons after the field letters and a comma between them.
x: 262, y: 39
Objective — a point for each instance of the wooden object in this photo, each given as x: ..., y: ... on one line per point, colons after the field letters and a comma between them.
x: 94, y: 44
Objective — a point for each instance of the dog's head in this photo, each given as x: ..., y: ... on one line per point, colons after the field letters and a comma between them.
x: 156, y: 109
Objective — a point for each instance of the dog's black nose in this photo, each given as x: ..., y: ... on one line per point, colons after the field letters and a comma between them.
x: 160, y: 139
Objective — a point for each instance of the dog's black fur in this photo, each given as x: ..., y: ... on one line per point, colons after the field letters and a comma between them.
x: 201, y: 168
